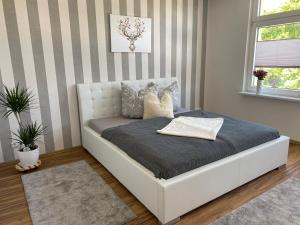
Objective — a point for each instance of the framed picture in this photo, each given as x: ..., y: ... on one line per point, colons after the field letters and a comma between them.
x: 130, y: 34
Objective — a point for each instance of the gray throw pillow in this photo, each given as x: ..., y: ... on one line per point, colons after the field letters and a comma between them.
x: 133, y: 100
x: 173, y: 89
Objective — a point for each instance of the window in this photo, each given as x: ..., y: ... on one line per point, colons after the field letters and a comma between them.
x: 268, y: 7
x: 274, y: 46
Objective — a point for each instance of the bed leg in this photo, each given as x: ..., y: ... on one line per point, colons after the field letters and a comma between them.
x: 280, y: 167
x: 172, y: 222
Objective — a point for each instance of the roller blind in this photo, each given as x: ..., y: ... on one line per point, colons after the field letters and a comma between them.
x: 282, y: 53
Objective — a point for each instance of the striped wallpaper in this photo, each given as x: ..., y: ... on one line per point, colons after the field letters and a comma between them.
x: 50, y: 45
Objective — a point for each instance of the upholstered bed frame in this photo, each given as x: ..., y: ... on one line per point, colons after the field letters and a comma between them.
x: 169, y: 199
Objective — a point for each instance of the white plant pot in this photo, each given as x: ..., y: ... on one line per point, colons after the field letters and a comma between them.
x: 29, y: 158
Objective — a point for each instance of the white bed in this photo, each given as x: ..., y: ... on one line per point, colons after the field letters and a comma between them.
x: 169, y: 199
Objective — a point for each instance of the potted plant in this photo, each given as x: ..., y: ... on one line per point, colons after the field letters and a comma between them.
x: 26, y: 137
x: 16, y: 101
x: 260, y: 75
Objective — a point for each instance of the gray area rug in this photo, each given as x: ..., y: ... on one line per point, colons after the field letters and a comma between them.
x: 278, y: 206
x: 73, y: 194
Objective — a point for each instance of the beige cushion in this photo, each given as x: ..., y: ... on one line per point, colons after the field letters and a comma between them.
x: 156, y: 107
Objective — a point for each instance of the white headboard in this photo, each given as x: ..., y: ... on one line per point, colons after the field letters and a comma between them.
x: 100, y: 100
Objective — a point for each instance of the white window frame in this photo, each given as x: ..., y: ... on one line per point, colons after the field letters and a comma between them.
x: 255, y: 22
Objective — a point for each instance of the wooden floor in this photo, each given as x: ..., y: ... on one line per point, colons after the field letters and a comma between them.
x: 14, y: 208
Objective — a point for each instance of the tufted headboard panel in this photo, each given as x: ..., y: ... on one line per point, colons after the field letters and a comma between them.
x: 100, y: 100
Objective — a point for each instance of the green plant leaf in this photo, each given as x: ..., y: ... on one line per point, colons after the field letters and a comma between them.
x: 28, y: 135
x: 15, y: 101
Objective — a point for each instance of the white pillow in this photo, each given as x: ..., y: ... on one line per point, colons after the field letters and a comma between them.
x: 156, y: 107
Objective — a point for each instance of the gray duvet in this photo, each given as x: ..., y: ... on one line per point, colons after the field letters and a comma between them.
x: 168, y: 156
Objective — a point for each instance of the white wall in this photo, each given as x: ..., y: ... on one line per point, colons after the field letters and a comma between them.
x: 226, y: 45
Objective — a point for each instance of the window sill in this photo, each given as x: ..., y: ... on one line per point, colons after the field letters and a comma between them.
x: 278, y: 97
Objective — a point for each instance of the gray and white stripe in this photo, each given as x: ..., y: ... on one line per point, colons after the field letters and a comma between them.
x: 125, y: 56
x: 14, y: 45
x: 28, y: 60
x: 156, y: 37
x: 168, y: 38
x: 138, y: 56
x: 85, y: 41
x: 131, y: 56
x: 150, y: 11
x: 75, y: 36
x: 145, y: 69
x: 60, y: 72
x: 7, y: 79
x: 51, y: 45
x: 162, y: 47
x: 14, y: 41
x: 69, y: 71
x: 194, y: 54
x: 40, y: 71
x: 202, y: 57
x: 115, y: 9
x: 6, y: 153
x: 110, y: 56
x: 52, y: 78
x: 102, y: 46
x: 92, y: 25
x: 189, y: 50
x: 184, y: 52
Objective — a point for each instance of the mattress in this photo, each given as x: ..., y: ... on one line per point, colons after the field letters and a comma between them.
x: 99, y: 125
x: 168, y: 156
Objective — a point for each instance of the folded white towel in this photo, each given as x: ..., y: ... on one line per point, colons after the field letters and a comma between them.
x: 206, y: 128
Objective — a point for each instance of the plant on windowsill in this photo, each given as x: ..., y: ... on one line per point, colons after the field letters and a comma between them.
x: 16, y: 101
x: 260, y: 75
